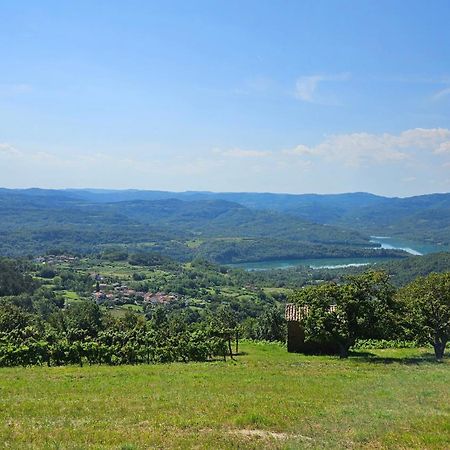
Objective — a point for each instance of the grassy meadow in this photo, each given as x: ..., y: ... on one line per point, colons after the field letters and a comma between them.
x: 266, y: 398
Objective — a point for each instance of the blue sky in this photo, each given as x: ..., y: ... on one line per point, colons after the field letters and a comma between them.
x: 280, y: 96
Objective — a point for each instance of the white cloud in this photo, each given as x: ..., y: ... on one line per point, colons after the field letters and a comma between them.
x: 404, y: 163
x: 306, y: 87
x: 358, y: 149
x: 420, y: 137
x: 443, y: 148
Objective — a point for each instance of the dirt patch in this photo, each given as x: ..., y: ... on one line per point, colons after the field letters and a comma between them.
x: 264, y: 434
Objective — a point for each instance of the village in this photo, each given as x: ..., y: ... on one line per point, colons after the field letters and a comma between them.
x: 55, y: 259
x: 118, y: 293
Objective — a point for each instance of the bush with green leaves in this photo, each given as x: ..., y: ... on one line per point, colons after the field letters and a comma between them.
x: 83, y: 334
x: 368, y: 344
x: 144, y: 345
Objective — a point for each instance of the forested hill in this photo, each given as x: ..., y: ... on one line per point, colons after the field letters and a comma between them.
x: 36, y: 221
x: 213, y: 218
x: 422, y: 218
x: 223, y: 227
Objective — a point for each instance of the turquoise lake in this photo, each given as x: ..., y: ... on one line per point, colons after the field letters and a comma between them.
x: 414, y: 248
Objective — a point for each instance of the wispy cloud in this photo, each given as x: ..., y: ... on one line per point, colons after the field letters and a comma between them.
x: 299, y: 150
x: 306, y: 87
x: 441, y: 94
x: 9, y: 150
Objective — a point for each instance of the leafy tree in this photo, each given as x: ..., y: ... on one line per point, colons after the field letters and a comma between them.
x: 224, y: 322
x: 375, y: 290
x: 130, y: 321
x: 44, y: 307
x: 427, y: 302
x: 13, y: 279
x: 157, y: 316
x: 12, y: 317
x: 249, y: 328
x: 47, y: 272
x: 86, y: 316
x: 225, y: 317
x: 114, y: 254
x: 271, y: 326
x: 138, y: 276
x: 340, y: 314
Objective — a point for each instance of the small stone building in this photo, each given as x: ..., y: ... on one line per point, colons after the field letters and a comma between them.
x: 296, y: 334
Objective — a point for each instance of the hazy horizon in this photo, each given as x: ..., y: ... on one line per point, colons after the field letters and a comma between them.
x: 187, y: 191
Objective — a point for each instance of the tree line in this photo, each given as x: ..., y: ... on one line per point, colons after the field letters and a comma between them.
x: 368, y: 306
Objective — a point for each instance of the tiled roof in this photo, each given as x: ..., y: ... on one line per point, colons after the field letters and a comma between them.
x: 294, y: 313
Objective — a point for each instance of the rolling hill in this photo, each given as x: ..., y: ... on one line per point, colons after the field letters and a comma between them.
x: 36, y: 221
x: 421, y: 218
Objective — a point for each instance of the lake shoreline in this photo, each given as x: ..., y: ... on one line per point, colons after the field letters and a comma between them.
x: 327, y: 263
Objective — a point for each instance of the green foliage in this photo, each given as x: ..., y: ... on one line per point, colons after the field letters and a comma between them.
x: 128, y: 342
x: 85, y: 316
x: 223, y: 302
x: 37, y: 222
x: 427, y: 307
x: 404, y: 271
x: 371, y: 344
x: 147, y: 259
x: 12, y: 317
x: 47, y: 272
x: 13, y: 280
x: 271, y: 326
x: 364, y: 307
x: 39, y: 328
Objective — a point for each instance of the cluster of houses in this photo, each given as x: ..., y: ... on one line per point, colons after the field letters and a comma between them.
x: 121, y: 294
x: 55, y: 259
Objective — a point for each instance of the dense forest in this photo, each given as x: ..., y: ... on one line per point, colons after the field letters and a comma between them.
x: 35, y: 222
x: 422, y: 218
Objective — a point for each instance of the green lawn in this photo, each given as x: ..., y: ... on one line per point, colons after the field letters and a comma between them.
x: 71, y: 296
x: 266, y: 399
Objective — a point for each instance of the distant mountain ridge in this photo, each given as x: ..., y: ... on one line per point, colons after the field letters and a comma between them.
x: 422, y: 218
x: 35, y: 221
